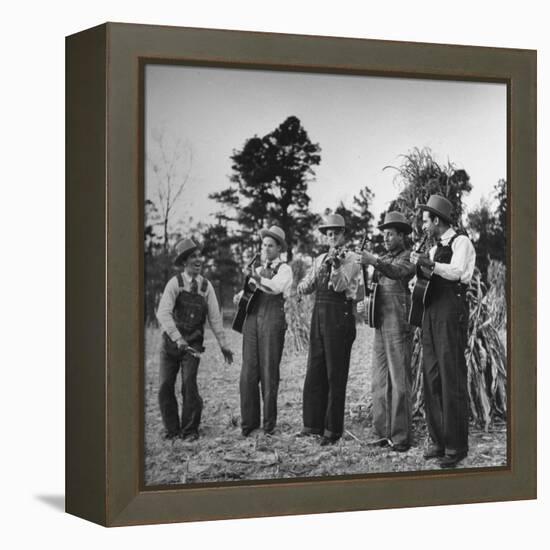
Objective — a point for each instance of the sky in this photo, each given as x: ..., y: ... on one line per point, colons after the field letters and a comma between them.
x: 362, y: 124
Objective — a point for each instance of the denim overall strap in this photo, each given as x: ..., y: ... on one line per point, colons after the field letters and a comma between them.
x: 190, y: 312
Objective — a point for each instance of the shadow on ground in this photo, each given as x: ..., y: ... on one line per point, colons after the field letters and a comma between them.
x: 56, y: 502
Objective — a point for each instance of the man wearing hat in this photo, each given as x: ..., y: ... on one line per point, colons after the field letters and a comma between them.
x: 334, y: 277
x: 264, y: 334
x: 391, y: 366
x: 187, y: 301
x: 445, y: 332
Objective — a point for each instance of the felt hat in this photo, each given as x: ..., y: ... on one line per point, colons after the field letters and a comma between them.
x: 184, y: 248
x: 398, y: 221
x: 332, y: 221
x: 276, y: 233
x: 439, y: 206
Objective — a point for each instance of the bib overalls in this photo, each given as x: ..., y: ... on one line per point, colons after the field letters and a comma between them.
x: 263, y: 340
x: 391, y: 368
x: 189, y: 313
x: 332, y: 335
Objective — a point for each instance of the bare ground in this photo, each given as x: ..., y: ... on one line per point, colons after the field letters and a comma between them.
x: 223, y: 454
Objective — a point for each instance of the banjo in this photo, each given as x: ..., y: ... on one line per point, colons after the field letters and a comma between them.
x: 371, y: 289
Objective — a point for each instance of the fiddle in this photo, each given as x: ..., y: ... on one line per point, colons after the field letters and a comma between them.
x: 336, y: 255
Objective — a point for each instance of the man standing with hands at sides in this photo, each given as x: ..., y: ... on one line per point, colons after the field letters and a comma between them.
x: 264, y: 334
x: 445, y: 332
x: 391, y: 365
x: 334, y: 277
x: 187, y: 301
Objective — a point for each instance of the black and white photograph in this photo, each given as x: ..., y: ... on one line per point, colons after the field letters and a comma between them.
x: 301, y: 160
x: 324, y: 275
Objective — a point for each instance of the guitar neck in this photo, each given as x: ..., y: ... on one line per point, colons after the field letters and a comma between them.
x: 250, y: 264
x: 366, y: 282
x: 422, y: 244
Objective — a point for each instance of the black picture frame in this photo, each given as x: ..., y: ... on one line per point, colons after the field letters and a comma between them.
x: 104, y: 272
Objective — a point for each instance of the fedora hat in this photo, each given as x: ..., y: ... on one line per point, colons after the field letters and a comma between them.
x: 397, y: 220
x: 332, y: 221
x: 184, y: 248
x: 439, y: 206
x: 275, y: 232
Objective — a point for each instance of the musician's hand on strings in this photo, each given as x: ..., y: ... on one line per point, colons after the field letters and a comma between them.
x: 329, y: 258
x: 361, y: 307
x: 251, y: 272
x: 335, y: 257
x: 237, y: 297
x: 366, y: 258
x: 420, y: 259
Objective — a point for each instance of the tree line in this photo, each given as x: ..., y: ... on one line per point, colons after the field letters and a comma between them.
x: 269, y: 184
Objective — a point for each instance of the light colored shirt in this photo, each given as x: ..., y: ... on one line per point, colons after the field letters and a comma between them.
x: 280, y: 283
x: 165, y: 311
x: 345, y: 278
x: 463, y: 261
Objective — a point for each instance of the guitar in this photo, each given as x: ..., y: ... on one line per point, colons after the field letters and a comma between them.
x: 371, y: 289
x: 246, y: 302
x: 420, y: 290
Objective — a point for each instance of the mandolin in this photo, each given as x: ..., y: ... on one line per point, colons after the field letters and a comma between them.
x: 420, y: 290
x: 246, y: 302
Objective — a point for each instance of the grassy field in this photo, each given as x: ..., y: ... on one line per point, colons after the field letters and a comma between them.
x: 223, y: 454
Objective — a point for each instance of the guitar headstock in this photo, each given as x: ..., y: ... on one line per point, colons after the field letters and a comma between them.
x: 421, y: 245
x: 254, y: 260
x: 364, y: 241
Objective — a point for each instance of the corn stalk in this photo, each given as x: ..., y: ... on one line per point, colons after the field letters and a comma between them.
x: 298, y: 316
x: 298, y: 312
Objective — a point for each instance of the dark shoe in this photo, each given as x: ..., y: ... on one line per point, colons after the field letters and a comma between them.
x: 191, y: 436
x: 401, y: 447
x: 247, y: 431
x: 306, y: 433
x: 450, y: 461
x: 328, y: 441
x: 382, y: 442
x: 433, y: 452
x: 170, y: 435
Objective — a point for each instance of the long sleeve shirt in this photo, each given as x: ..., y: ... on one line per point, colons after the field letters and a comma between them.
x: 396, y: 265
x: 463, y: 261
x: 345, y: 278
x: 168, y: 300
x: 280, y: 283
